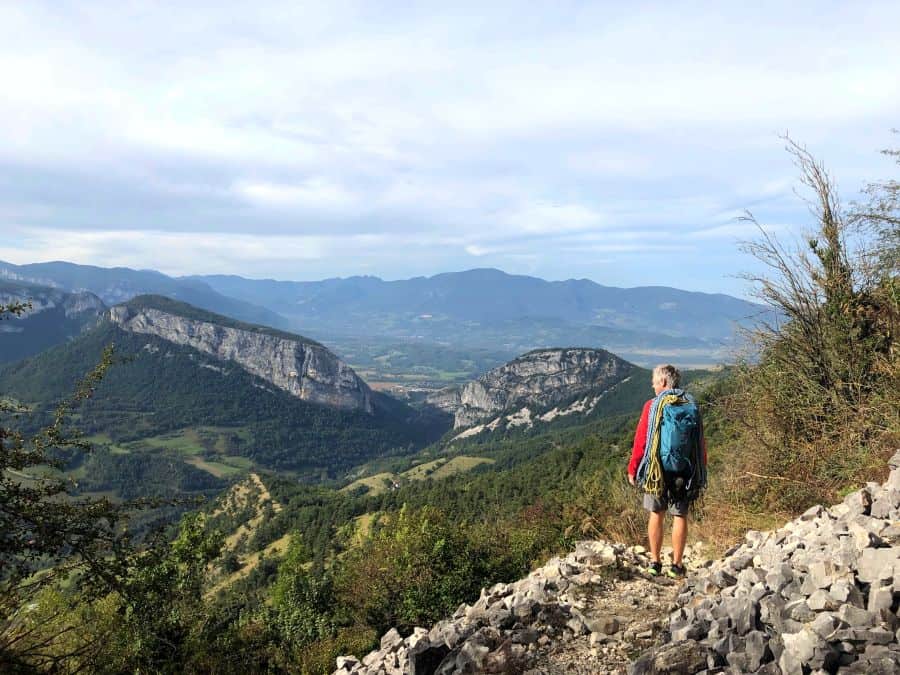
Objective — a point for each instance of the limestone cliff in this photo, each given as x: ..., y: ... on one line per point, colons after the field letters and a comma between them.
x: 301, y: 367
x: 42, y: 299
x: 540, y: 378
x: 53, y: 317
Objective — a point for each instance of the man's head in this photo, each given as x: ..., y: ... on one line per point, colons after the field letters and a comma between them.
x: 665, y: 376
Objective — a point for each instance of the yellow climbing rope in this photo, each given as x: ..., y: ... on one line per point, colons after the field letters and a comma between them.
x: 654, y: 483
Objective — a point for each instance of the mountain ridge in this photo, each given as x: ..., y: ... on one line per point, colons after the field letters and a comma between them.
x: 299, y: 366
x: 118, y: 284
x: 539, y: 377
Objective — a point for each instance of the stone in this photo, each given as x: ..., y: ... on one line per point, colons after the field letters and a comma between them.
x: 346, y: 662
x: 604, y: 624
x: 425, y: 657
x: 779, y: 577
x: 501, y: 660
x: 822, y: 600
x: 499, y: 616
x: 390, y: 640
x: 417, y: 636
x: 880, y: 598
x: 846, y: 592
x: 447, y: 633
x: 812, y: 513
x: 524, y: 610
x: 859, y: 502
x: 742, y: 613
x: 876, y: 564
x: 757, y: 650
x: 740, y: 562
x: 821, y: 574
x: 799, y: 649
x: 855, y: 617
x: 577, y: 626
x: 671, y: 659
x: 863, y: 538
x: 771, y: 609
x: 798, y: 610
x: 825, y: 624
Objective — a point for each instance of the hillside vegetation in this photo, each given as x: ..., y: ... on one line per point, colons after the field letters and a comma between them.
x: 159, y: 393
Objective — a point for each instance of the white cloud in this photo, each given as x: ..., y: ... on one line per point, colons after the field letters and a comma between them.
x: 314, y: 193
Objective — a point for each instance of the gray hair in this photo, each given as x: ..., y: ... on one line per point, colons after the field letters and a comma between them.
x: 668, y: 375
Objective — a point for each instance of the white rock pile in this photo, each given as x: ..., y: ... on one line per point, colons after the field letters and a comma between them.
x: 819, y: 595
x: 509, y: 625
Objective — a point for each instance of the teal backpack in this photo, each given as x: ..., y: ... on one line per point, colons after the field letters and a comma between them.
x: 679, y: 437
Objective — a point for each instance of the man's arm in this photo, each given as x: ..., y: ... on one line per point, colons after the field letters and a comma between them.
x: 640, y: 439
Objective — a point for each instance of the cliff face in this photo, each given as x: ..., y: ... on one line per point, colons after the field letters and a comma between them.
x: 540, y: 378
x: 54, y: 317
x: 45, y: 298
x: 307, y: 370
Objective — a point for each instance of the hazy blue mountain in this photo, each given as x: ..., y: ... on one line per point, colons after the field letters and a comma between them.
x: 119, y: 284
x: 55, y: 316
x: 488, y: 308
x: 492, y: 296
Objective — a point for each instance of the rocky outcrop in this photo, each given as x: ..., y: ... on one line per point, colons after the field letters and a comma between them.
x: 582, y: 614
x: 73, y: 305
x: 540, y: 378
x: 305, y: 369
x: 820, y: 594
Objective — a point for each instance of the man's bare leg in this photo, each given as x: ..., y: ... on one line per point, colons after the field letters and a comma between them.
x: 679, y: 537
x: 655, y: 533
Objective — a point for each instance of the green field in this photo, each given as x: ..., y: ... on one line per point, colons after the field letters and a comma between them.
x: 375, y: 484
x: 193, y: 444
x: 435, y: 469
x: 459, y: 464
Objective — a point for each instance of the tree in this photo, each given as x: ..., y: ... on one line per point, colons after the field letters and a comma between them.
x: 45, y: 534
x: 817, y: 407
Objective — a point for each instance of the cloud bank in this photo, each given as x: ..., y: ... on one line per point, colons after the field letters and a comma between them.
x: 303, y: 141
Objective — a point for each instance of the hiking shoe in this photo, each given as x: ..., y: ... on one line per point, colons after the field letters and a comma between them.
x: 676, y: 572
x: 654, y: 569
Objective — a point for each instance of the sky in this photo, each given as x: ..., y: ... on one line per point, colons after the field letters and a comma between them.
x: 618, y: 142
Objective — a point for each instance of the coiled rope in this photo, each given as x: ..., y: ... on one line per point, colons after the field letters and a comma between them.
x: 653, y: 480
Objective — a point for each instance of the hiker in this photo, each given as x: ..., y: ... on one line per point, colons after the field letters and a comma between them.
x: 668, y: 460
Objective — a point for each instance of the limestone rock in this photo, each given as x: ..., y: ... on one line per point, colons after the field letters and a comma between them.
x: 298, y: 366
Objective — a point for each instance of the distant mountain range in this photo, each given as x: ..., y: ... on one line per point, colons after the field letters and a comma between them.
x: 480, y: 308
x: 489, y: 296
x: 119, y: 284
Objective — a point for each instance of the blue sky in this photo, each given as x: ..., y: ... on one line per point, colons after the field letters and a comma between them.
x: 303, y: 141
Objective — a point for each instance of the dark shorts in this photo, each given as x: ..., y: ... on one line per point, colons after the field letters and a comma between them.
x: 676, y: 507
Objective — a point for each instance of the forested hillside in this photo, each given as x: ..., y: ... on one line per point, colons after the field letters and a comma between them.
x: 157, y: 388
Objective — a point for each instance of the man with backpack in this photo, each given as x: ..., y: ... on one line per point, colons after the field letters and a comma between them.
x: 668, y: 460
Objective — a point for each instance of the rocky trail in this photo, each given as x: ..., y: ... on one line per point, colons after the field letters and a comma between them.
x: 819, y: 595
x: 591, y: 612
x: 625, y: 616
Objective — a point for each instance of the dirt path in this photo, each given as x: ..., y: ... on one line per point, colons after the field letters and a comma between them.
x: 628, y: 614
